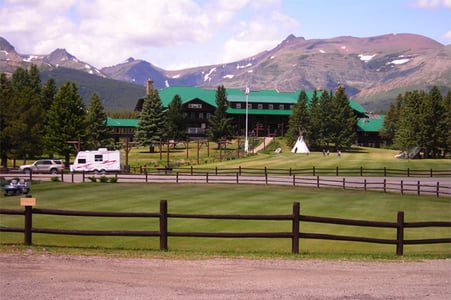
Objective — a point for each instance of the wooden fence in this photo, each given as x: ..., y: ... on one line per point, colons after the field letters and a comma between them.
x: 164, y: 216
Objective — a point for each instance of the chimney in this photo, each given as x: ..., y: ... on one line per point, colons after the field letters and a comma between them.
x: 149, y: 86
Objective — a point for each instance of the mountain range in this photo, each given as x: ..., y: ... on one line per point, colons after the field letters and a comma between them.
x: 374, y: 70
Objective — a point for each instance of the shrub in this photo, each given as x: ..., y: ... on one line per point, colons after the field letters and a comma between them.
x: 54, y: 179
x: 92, y: 178
x: 103, y: 179
x: 113, y: 179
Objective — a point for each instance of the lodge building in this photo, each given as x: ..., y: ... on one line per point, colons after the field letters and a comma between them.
x: 268, y: 113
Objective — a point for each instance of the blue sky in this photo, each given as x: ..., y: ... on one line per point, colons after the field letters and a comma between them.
x: 176, y: 34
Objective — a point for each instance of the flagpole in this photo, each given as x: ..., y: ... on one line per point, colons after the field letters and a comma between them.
x: 246, y: 142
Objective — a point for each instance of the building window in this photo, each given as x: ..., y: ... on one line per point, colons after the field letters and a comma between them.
x: 238, y: 105
x: 291, y: 106
x: 98, y: 157
x: 281, y: 106
x: 201, y: 115
x: 249, y: 105
x: 260, y: 106
x: 208, y: 116
x: 195, y: 105
x: 270, y: 106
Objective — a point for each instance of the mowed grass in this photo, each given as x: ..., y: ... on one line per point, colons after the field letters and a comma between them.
x: 228, y: 199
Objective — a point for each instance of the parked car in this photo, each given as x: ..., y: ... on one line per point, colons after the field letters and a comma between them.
x: 52, y: 166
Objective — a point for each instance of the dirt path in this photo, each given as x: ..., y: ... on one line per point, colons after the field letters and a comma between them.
x: 45, y: 276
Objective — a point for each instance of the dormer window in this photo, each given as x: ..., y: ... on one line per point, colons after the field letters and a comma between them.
x: 195, y: 105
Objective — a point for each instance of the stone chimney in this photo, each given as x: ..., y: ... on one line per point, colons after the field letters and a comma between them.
x: 149, y: 86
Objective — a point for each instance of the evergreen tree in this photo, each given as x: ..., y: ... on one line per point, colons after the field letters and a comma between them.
x: 342, y: 121
x: 97, y: 133
x: 6, y: 106
x: 432, y: 127
x: 409, y: 121
x: 220, y: 125
x: 152, y: 123
x: 299, y: 120
x: 66, y: 121
x: 314, y: 132
x: 323, y: 119
x: 48, y: 93
x: 26, y: 114
x: 446, y: 142
x: 391, y: 120
x: 177, y: 120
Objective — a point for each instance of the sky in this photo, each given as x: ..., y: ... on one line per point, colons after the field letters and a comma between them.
x: 178, y: 34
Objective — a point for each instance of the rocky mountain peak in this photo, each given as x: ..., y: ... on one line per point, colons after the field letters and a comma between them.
x: 6, y: 46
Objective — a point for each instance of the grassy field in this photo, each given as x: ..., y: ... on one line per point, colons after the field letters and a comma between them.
x: 227, y: 199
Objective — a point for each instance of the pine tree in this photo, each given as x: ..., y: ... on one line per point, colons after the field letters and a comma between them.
x: 445, y: 143
x: 220, y: 126
x: 66, y: 121
x: 409, y: 121
x: 152, y: 123
x: 314, y: 111
x: 342, y: 121
x: 177, y: 121
x: 391, y: 121
x: 97, y: 133
x: 323, y: 119
x: 6, y: 106
x: 298, y: 120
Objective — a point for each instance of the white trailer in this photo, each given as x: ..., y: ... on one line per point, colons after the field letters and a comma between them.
x: 101, y: 160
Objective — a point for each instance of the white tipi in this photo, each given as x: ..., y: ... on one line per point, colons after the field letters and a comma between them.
x: 300, y: 146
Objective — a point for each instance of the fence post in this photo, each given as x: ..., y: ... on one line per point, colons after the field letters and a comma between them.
x: 385, y: 185
x: 317, y: 181
x: 83, y: 176
x: 402, y: 187
x: 28, y: 223
x: 418, y: 188
x: 364, y: 184
x: 295, y: 229
x: 145, y: 173
x: 361, y: 171
x: 290, y: 172
x: 385, y: 171
x: 400, y: 234
x: 408, y: 172
x: 431, y: 172
x: 344, y: 184
x: 237, y: 178
x: 239, y: 170
x: 294, y: 180
x: 206, y: 178
x: 62, y: 175
x: 314, y: 171
x: 336, y: 171
x: 164, y: 225
x: 192, y: 169
x: 72, y: 175
x: 266, y: 177
x: 438, y: 189
x: 177, y: 177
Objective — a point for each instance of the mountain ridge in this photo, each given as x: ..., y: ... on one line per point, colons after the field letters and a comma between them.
x: 373, y: 69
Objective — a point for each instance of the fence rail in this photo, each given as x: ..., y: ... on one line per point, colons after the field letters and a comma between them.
x: 295, y: 234
x: 402, y: 185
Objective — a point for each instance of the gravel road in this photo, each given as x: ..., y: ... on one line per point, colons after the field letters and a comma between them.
x: 36, y: 276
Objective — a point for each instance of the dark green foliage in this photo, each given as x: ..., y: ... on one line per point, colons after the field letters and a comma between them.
x: 22, y: 115
x: 96, y: 130
x: 177, y: 120
x: 424, y: 122
x: 220, y: 126
x: 391, y: 120
x: 66, y: 121
x: 299, y: 120
x: 152, y: 123
x: 328, y: 121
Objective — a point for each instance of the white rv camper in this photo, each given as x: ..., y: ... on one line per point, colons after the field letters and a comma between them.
x: 101, y: 160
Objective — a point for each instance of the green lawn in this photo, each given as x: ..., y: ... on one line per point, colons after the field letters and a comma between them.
x: 228, y: 199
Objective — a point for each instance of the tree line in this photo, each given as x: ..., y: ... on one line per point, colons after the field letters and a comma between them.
x: 420, y: 120
x: 39, y: 119
x: 326, y: 121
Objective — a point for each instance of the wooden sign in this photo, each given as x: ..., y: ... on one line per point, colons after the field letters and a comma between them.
x: 27, y: 201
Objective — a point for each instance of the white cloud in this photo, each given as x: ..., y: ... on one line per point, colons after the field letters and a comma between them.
x: 433, y: 3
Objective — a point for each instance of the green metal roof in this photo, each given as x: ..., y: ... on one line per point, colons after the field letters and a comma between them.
x: 122, y: 122
x: 372, y: 124
x: 252, y: 111
x: 238, y: 95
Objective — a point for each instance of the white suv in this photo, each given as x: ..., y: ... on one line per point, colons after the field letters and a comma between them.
x: 52, y: 166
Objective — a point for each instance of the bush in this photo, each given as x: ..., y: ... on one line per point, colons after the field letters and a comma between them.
x: 103, y: 179
x: 54, y: 179
x: 113, y: 179
x: 92, y: 178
